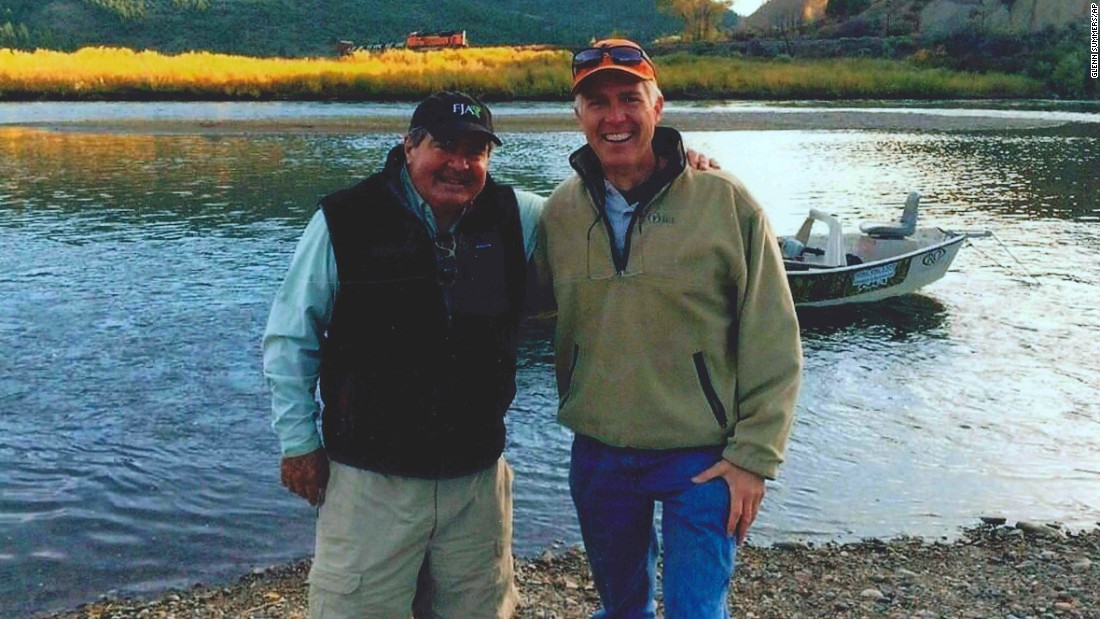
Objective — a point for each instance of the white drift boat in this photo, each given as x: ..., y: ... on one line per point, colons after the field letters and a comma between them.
x: 880, y: 261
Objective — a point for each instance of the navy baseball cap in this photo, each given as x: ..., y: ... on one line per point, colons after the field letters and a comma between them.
x: 447, y: 115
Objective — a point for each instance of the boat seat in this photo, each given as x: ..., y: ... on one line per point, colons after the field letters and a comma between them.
x: 896, y: 230
x: 849, y: 259
x: 791, y: 248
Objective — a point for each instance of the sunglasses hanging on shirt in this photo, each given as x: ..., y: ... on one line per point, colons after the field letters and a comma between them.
x: 447, y: 263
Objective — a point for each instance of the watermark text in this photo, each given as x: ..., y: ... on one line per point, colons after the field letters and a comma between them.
x: 1094, y: 49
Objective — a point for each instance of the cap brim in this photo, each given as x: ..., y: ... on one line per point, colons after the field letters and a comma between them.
x: 452, y: 131
x: 645, y: 75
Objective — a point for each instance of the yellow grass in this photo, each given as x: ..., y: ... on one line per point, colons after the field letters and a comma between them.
x: 836, y: 78
x: 495, y: 73
x: 499, y: 72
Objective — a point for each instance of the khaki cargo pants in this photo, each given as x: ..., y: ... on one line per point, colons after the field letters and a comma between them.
x: 375, y: 532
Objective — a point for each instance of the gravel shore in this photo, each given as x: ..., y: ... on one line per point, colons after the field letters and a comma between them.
x: 994, y: 571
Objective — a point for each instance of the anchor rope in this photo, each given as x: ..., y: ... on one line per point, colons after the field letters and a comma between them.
x: 969, y: 243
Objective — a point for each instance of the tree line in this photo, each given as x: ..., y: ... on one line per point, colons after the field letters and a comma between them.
x: 298, y: 28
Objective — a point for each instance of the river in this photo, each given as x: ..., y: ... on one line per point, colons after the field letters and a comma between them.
x: 141, y: 245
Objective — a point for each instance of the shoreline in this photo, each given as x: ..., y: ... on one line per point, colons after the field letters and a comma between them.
x: 992, y: 570
x: 684, y: 120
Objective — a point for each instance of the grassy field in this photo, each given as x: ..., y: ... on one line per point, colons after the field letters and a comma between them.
x: 493, y: 73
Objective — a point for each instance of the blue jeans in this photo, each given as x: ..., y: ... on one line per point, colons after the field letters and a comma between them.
x: 615, y: 490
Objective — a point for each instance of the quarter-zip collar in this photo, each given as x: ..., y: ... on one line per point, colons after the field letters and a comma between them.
x: 668, y: 145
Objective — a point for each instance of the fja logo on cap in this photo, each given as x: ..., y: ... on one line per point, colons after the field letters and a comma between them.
x: 463, y: 109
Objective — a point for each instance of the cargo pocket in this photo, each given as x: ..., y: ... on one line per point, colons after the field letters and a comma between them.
x: 713, y: 400
x: 336, y: 595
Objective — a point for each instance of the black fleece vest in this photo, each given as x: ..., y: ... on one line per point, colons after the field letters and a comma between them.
x: 408, y: 390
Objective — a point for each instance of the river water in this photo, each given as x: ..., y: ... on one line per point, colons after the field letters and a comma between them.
x: 136, y: 270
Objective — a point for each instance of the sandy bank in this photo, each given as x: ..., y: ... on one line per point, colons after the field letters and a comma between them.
x: 1002, y: 572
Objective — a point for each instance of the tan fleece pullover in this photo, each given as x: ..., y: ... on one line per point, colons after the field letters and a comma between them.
x: 695, y: 343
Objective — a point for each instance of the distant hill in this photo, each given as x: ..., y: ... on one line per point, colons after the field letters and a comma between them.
x: 1045, y: 40
x: 311, y: 27
x: 945, y: 16
x: 781, y: 13
x: 924, y: 17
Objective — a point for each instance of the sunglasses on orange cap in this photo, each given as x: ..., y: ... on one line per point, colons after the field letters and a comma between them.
x: 624, y: 55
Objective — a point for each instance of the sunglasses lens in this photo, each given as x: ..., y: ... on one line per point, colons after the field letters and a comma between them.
x: 626, y: 55
x: 587, y: 58
x: 620, y: 55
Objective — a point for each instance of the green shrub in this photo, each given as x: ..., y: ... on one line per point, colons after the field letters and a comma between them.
x: 1071, y: 76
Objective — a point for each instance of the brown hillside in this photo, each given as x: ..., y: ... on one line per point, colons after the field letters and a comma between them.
x: 941, y: 16
x: 783, y: 14
x: 929, y: 17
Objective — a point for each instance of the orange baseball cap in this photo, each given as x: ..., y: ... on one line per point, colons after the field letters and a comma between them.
x: 612, y: 54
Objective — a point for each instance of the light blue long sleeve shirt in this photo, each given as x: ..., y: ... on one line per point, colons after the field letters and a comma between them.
x: 301, y: 312
x: 619, y: 213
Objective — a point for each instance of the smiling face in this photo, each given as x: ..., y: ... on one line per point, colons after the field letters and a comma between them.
x: 619, y: 114
x: 448, y: 175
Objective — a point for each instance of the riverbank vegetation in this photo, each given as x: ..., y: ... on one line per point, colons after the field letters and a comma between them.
x: 494, y: 73
x: 1057, y: 57
x: 946, y: 48
x: 687, y: 76
x: 312, y: 27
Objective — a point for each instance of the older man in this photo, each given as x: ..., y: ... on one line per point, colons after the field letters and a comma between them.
x: 403, y: 299
x: 677, y: 346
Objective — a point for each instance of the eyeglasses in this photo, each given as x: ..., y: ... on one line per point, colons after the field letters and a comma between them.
x: 445, y: 246
x: 624, y: 55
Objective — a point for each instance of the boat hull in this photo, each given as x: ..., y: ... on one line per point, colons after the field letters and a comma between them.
x: 874, y: 280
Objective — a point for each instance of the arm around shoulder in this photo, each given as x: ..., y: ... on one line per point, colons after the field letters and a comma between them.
x: 530, y: 208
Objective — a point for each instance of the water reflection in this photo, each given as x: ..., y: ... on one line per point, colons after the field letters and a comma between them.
x: 1017, y: 176
x: 899, y: 318
x: 964, y: 180
x: 173, y: 185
